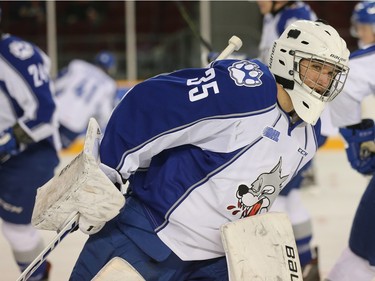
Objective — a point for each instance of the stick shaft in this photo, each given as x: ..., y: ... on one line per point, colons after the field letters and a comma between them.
x: 226, y: 52
x: 234, y: 44
x: 72, y: 224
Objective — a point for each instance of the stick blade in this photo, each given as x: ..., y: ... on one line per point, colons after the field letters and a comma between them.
x: 261, y: 247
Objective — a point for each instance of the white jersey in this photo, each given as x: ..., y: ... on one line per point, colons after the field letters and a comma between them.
x: 26, y: 90
x: 83, y: 90
x: 205, y: 147
x: 346, y: 107
x: 275, y: 24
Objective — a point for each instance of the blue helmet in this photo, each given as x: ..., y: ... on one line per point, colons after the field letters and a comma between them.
x: 364, y: 12
x: 105, y: 60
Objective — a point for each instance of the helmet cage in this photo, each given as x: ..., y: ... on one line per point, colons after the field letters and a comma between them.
x: 319, y: 92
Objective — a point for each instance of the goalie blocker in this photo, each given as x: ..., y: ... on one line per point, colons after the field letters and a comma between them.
x: 81, y: 187
x: 56, y: 205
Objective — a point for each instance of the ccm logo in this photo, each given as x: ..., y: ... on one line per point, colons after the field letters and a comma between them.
x: 292, y: 263
x: 301, y: 151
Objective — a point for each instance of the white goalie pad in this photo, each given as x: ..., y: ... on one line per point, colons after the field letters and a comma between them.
x: 81, y: 187
x: 261, y: 247
x: 118, y: 269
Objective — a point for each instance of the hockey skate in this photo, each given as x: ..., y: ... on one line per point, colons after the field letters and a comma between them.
x: 310, y: 271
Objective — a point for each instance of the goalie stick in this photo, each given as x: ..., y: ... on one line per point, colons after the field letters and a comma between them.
x: 91, y: 147
x: 69, y: 227
x: 234, y: 44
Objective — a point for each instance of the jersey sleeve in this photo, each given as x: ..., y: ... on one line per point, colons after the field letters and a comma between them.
x: 359, y: 85
x: 25, y: 80
x: 200, y: 107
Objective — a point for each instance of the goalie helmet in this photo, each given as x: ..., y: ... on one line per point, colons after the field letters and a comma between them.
x: 313, y: 42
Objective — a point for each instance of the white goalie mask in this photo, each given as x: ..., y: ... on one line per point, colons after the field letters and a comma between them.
x: 307, y: 47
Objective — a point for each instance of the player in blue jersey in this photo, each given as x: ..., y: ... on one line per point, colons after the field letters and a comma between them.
x: 277, y: 15
x: 28, y: 144
x: 85, y: 90
x: 357, y: 261
x: 202, y: 147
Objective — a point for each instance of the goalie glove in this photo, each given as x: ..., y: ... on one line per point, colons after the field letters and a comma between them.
x: 359, y: 138
x: 81, y: 187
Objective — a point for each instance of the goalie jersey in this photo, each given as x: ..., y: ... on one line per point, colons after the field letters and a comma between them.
x: 25, y: 90
x: 202, y: 147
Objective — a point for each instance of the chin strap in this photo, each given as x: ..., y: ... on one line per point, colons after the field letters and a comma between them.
x: 287, y: 84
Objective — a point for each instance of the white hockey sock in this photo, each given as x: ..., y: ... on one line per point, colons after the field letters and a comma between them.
x: 351, y: 267
x: 25, y: 241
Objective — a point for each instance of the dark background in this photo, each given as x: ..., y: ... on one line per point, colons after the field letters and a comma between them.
x: 165, y: 41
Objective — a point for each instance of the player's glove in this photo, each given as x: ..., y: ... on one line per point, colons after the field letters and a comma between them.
x: 361, y: 159
x: 8, y: 144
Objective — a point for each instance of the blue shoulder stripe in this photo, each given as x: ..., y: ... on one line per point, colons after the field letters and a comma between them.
x: 362, y: 52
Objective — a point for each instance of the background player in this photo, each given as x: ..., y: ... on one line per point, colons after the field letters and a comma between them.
x: 85, y: 90
x: 28, y: 143
x: 357, y: 261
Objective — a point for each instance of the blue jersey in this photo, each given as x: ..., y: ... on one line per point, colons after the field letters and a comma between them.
x: 25, y: 90
x: 26, y: 99
x: 359, y: 85
x: 202, y: 147
x: 275, y: 24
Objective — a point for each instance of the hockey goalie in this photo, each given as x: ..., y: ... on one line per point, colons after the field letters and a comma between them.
x: 205, y: 152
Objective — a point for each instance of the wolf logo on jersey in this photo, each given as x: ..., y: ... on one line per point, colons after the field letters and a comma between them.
x: 245, y: 73
x: 258, y: 197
